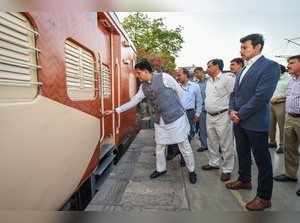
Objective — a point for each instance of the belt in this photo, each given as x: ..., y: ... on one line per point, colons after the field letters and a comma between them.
x: 278, y: 102
x: 217, y: 113
x: 294, y: 115
x: 190, y: 110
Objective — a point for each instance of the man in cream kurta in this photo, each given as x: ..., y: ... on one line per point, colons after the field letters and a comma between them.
x: 171, y: 126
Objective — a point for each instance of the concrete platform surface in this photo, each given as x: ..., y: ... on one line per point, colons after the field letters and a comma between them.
x: 129, y: 188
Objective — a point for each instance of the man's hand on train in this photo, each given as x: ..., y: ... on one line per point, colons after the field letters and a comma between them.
x: 109, y: 112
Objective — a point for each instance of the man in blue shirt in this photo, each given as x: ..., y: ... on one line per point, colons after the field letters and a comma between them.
x: 201, y: 124
x: 191, y: 100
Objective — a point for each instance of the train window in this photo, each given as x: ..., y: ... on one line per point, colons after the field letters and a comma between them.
x: 18, y: 58
x: 105, y: 81
x: 80, y: 72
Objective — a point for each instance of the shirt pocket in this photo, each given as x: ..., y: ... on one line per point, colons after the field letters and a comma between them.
x: 221, y: 91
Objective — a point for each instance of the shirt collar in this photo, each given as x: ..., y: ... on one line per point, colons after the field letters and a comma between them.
x: 217, y: 77
x: 200, y: 81
x: 295, y: 77
x: 150, y: 81
x: 187, y: 84
x: 252, y: 60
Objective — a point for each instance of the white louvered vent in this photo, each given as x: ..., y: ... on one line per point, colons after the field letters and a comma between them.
x: 18, y: 58
x: 105, y: 81
x: 80, y: 72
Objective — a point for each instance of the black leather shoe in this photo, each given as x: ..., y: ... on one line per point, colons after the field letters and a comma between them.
x: 202, y: 149
x: 209, y: 167
x: 193, y: 177
x: 298, y: 192
x: 156, y: 174
x: 272, y: 145
x: 284, y: 178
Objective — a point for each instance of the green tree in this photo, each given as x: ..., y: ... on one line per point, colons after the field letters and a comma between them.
x: 153, y: 40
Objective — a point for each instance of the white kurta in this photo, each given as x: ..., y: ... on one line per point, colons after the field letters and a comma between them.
x: 165, y: 134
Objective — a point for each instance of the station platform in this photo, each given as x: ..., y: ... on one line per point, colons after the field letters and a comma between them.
x: 128, y: 187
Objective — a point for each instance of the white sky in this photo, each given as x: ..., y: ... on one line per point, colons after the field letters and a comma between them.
x: 215, y: 33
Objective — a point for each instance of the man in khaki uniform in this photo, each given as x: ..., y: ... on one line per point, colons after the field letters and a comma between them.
x: 292, y: 124
x: 278, y: 110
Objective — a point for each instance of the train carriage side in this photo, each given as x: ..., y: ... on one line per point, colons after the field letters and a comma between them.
x: 51, y: 107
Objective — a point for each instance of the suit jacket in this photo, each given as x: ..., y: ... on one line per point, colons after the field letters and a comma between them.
x: 251, y: 97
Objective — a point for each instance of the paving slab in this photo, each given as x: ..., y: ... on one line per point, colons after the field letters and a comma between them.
x: 129, y: 188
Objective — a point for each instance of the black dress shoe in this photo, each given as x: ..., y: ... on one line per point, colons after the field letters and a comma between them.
x: 156, y: 174
x: 193, y: 177
x: 284, y: 178
x: 202, y: 149
x: 209, y: 167
x: 272, y: 145
x: 298, y: 192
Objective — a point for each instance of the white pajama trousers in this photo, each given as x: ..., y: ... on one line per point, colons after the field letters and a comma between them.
x: 186, y: 151
x: 220, y: 135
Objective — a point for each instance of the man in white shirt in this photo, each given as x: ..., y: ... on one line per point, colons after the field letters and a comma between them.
x: 171, y: 124
x: 219, y: 127
x: 278, y: 110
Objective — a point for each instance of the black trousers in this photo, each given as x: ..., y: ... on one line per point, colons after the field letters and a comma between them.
x: 246, y: 141
x: 190, y: 115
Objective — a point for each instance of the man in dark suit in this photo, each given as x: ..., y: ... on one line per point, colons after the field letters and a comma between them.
x: 249, y: 111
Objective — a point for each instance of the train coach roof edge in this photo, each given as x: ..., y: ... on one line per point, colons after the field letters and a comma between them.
x: 117, y: 22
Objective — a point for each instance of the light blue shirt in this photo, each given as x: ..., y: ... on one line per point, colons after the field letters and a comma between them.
x: 192, y: 98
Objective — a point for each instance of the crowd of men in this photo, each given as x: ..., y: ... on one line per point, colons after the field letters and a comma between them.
x: 235, y: 114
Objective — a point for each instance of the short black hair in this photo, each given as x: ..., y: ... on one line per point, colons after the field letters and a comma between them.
x: 144, y: 64
x: 186, y: 72
x: 255, y: 39
x: 294, y: 57
x: 218, y: 62
x: 282, y: 68
x: 198, y: 68
x: 238, y: 60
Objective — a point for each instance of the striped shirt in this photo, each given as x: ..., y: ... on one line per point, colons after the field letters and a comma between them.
x: 293, y: 96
